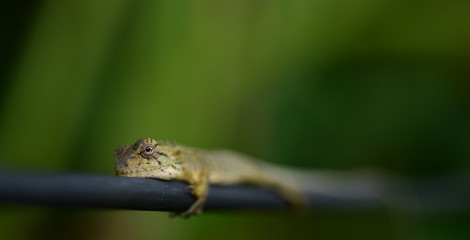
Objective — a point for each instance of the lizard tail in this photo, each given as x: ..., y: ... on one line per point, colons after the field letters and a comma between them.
x: 301, y: 187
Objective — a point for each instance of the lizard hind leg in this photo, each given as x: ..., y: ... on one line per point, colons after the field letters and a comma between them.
x: 295, y: 197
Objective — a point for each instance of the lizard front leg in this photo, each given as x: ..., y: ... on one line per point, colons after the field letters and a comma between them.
x: 199, y: 189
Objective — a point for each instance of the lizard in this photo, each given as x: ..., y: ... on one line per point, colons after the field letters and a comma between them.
x: 149, y: 158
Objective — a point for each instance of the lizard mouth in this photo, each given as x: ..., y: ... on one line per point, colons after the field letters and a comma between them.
x: 148, y: 173
x: 134, y: 172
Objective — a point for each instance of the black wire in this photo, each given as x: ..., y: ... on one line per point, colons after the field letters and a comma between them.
x: 103, y: 191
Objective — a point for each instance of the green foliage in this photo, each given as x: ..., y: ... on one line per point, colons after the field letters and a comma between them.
x: 321, y: 84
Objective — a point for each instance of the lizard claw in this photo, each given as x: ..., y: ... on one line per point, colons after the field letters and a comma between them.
x: 194, y: 210
x: 185, y: 214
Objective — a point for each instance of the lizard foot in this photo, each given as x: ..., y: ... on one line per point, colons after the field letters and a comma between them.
x: 200, y: 192
x: 194, y: 210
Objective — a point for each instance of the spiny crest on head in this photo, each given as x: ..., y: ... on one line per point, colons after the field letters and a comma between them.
x: 137, y: 145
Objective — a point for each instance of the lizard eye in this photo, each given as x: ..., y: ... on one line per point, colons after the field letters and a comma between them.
x: 147, y: 150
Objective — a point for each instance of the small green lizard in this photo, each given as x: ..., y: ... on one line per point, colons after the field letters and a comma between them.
x: 149, y: 158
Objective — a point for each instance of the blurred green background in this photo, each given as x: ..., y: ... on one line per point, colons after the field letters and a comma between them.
x: 317, y: 84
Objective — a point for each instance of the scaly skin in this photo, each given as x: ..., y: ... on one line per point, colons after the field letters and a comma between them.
x: 149, y: 158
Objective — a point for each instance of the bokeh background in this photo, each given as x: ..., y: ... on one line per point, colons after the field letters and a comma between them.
x: 317, y: 84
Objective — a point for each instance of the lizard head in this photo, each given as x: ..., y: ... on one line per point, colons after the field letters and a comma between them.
x: 147, y: 158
